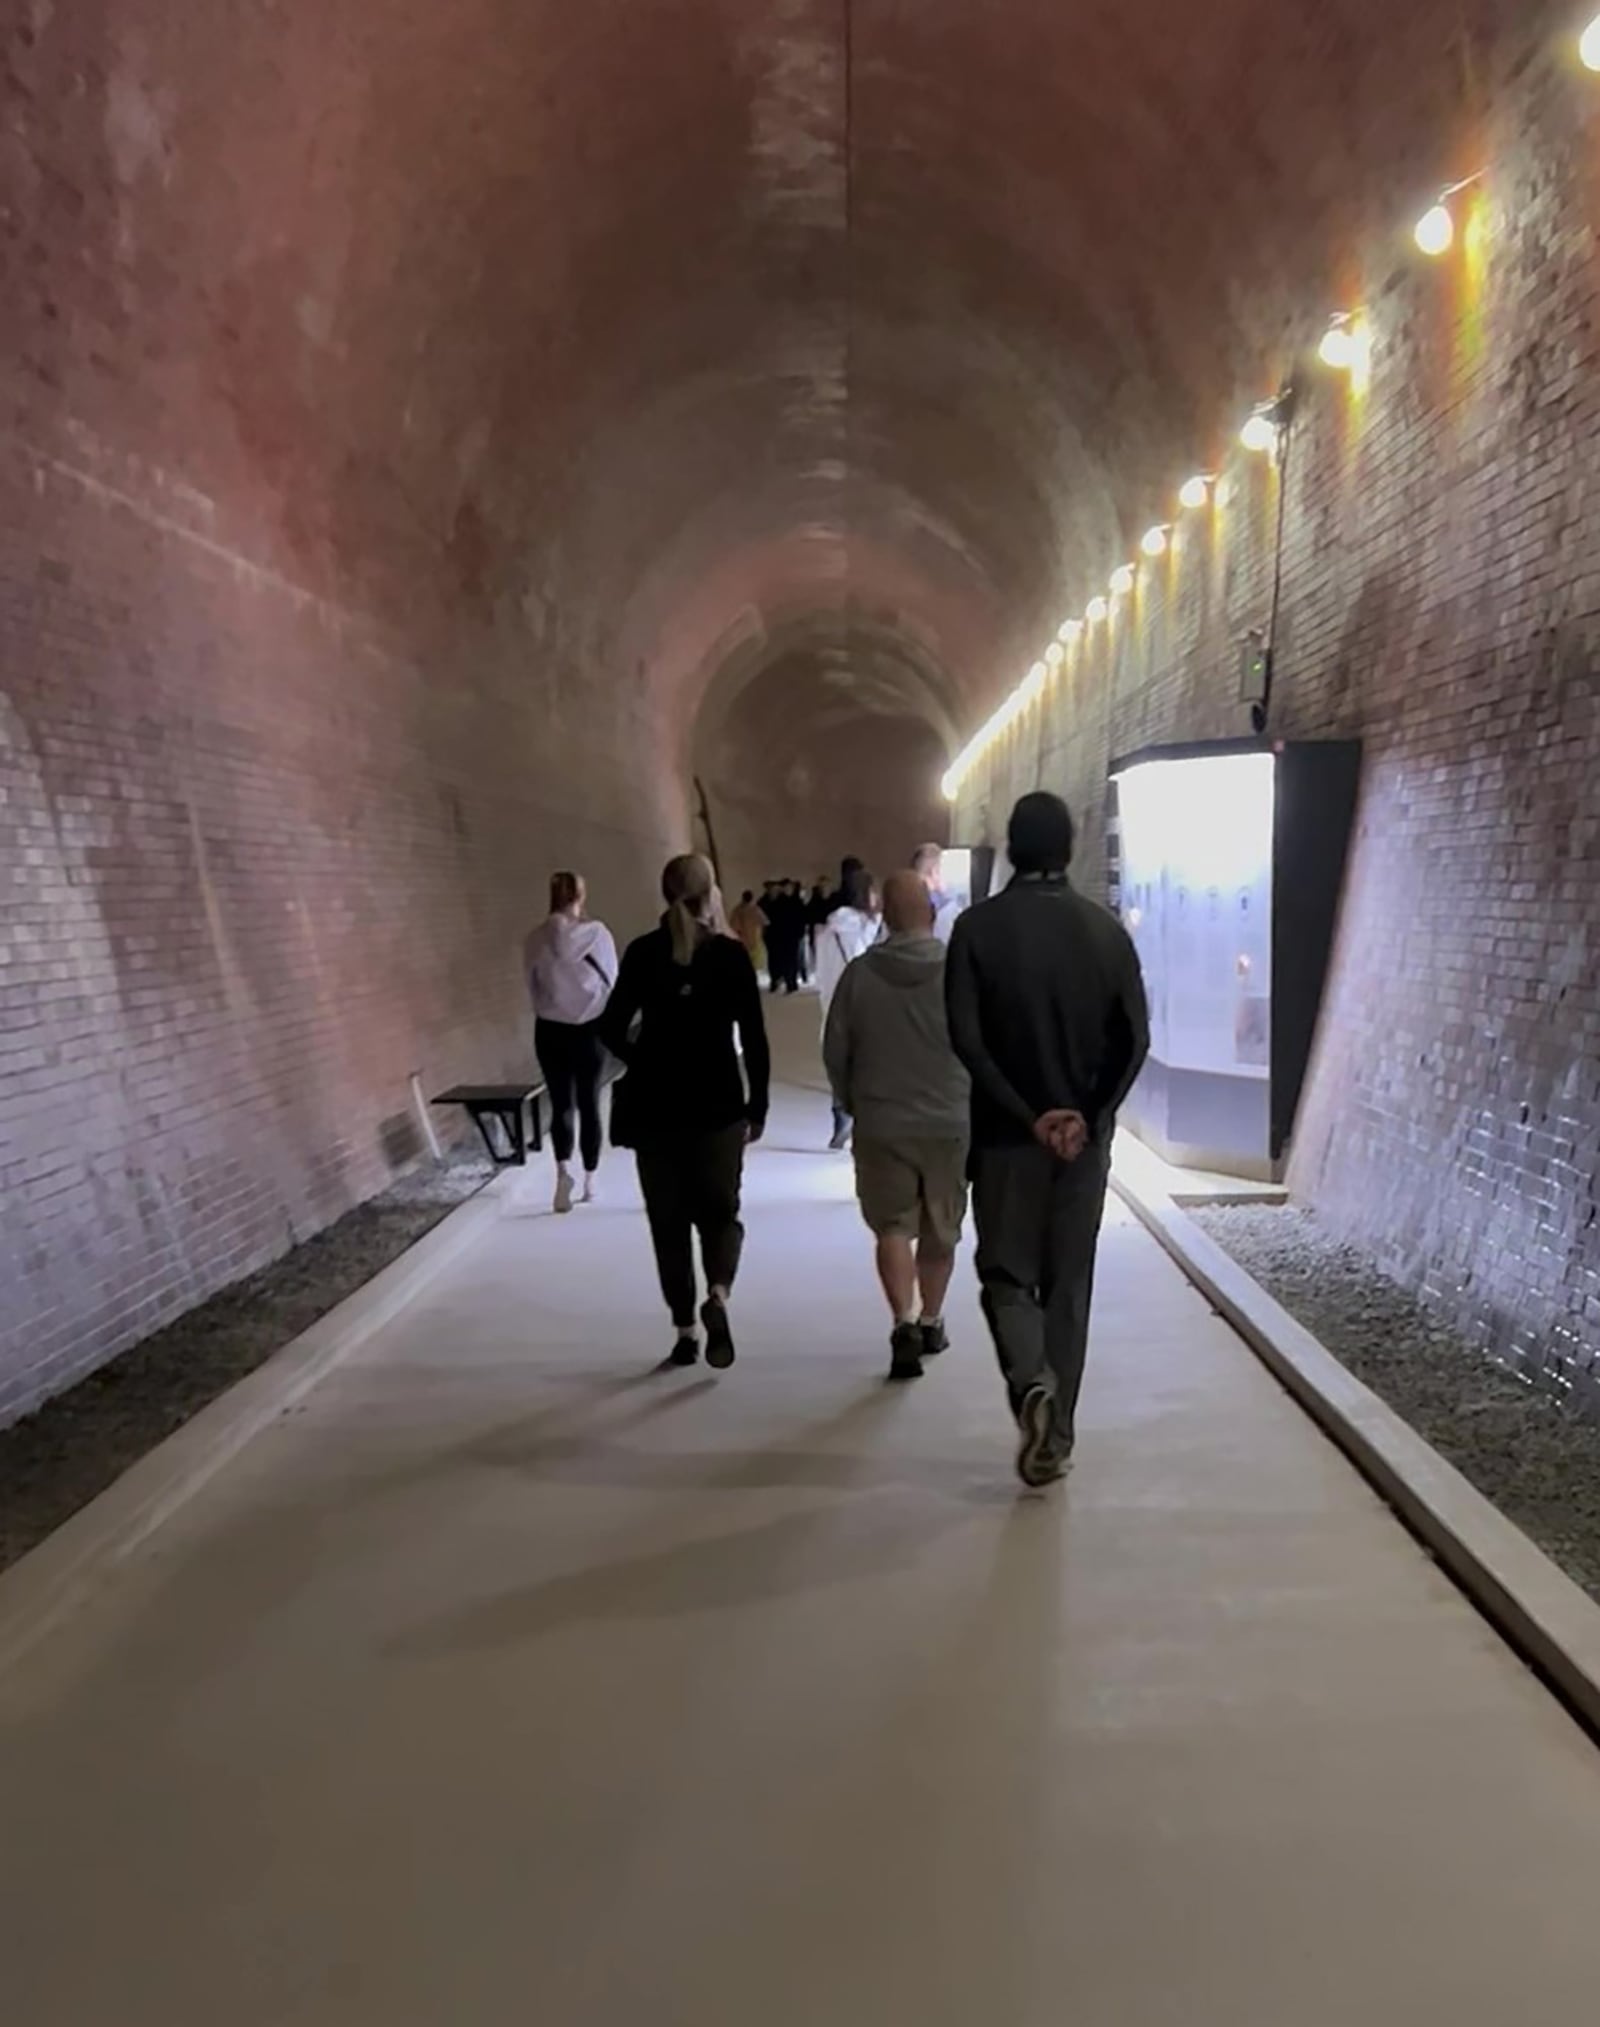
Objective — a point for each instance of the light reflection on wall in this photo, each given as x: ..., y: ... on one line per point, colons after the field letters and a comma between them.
x: 1473, y: 286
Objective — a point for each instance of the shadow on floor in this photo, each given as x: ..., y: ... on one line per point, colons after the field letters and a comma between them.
x: 781, y: 1558
x: 558, y: 1446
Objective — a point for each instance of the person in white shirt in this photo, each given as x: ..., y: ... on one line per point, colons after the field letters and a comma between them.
x: 849, y: 932
x: 928, y: 863
x: 571, y: 967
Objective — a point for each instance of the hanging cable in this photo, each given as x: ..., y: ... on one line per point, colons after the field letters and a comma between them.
x: 1284, y: 413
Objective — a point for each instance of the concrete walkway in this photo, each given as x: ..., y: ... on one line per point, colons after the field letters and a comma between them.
x: 505, y: 1682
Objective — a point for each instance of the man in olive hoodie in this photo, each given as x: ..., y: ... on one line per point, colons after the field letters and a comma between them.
x: 889, y: 1059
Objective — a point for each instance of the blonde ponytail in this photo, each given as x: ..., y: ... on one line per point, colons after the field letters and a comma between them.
x: 694, y: 907
x: 684, y: 930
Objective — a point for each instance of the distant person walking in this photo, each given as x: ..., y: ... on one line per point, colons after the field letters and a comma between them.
x: 850, y: 930
x: 892, y: 1069
x: 818, y: 909
x: 750, y: 926
x: 786, y: 928
x: 1047, y: 1011
x: 571, y: 966
x: 928, y: 864
x: 800, y: 920
x: 683, y: 1105
x: 848, y: 867
x: 775, y: 915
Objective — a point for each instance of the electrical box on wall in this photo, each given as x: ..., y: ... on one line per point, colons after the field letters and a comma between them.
x: 1230, y: 857
x: 1255, y: 667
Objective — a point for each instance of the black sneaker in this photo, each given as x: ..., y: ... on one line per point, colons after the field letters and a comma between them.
x: 685, y: 1352
x: 905, y: 1352
x: 840, y: 1140
x: 720, y: 1353
x: 935, y: 1339
x: 1038, y: 1453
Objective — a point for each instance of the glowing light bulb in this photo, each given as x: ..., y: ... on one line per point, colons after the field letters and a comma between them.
x: 1260, y: 433
x: 950, y: 786
x: 1055, y: 654
x: 1155, y: 542
x: 1122, y: 580
x: 1195, y: 492
x: 1338, y: 347
x: 1436, y: 231
x: 1589, y: 45
x: 1097, y: 610
x: 1072, y: 632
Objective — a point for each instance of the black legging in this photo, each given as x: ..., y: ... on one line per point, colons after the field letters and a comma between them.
x: 691, y: 1184
x: 572, y: 1060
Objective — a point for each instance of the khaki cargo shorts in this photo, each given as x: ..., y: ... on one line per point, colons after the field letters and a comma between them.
x: 913, y: 1189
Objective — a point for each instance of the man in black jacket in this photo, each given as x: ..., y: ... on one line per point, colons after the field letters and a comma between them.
x: 1047, y: 1011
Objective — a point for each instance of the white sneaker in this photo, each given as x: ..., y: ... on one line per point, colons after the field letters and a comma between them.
x: 563, y: 1192
x: 591, y: 1190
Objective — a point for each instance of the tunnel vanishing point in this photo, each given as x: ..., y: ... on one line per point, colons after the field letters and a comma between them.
x: 446, y: 442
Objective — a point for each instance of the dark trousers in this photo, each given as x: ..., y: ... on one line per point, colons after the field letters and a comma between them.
x: 783, y: 962
x: 1038, y: 1222
x: 691, y: 1184
x: 572, y: 1062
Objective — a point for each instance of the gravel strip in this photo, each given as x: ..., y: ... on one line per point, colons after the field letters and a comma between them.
x: 57, y: 1460
x: 1536, y: 1459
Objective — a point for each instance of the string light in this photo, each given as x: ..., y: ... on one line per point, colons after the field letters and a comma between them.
x: 1260, y: 433
x: 1436, y: 231
x: 1345, y: 347
x: 1589, y: 45
x: 1338, y: 347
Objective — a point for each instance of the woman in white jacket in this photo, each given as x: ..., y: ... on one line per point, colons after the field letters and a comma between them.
x: 571, y: 966
x: 849, y: 932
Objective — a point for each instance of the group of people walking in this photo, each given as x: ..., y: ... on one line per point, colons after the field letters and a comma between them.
x: 989, y: 1047
x: 779, y: 930
x: 787, y: 931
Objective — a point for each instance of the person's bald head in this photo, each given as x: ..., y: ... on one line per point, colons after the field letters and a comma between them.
x: 907, y: 904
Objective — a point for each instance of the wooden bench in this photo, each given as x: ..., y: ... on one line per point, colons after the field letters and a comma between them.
x: 514, y: 1108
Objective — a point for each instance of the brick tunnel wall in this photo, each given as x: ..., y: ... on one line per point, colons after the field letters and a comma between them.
x: 342, y: 419
x: 1441, y: 601
x: 297, y: 709
x: 264, y: 861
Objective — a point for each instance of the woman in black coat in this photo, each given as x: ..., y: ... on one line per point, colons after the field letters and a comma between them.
x: 684, y: 1105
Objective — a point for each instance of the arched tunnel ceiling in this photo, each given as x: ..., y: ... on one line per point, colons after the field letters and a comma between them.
x: 665, y: 328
